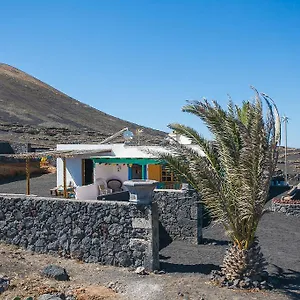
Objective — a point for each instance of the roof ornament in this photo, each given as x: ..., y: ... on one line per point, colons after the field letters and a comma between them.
x: 138, y: 133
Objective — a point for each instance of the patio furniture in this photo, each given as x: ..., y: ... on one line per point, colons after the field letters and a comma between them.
x: 103, y: 190
x: 115, y: 185
x: 71, y: 192
x: 57, y: 191
x: 102, y: 186
x: 53, y: 192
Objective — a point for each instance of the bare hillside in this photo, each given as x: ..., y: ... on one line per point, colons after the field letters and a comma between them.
x: 32, y: 111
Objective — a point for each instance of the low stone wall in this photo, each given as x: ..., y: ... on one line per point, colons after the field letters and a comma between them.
x: 289, y: 209
x: 114, y: 233
x: 180, y: 215
x: 10, y: 147
x: 21, y: 147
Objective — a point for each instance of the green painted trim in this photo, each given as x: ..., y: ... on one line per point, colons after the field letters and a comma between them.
x: 125, y: 160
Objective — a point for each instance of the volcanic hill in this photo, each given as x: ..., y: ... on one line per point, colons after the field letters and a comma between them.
x: 32, y: 111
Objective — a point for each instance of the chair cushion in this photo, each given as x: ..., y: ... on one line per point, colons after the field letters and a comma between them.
x: 115, y: 185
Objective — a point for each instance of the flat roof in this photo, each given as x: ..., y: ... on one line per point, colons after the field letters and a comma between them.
x: 57, y: 153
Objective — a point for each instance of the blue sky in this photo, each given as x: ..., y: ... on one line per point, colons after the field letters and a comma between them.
x: 140, y: 60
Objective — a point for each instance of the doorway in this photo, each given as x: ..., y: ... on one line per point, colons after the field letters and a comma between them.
x: 87, y: 171
x: 136, y: 172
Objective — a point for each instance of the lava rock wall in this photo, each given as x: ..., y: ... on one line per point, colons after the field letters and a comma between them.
x: 288, y: 209
x: 109, y: 232
x: 180, y: 215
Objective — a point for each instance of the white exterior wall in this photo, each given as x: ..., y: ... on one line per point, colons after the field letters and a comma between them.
x: 87, y: 192
x: 73, y: 166
x: 107, y: 172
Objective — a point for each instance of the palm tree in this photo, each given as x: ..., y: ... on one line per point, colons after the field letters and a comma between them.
x: 234, y: 174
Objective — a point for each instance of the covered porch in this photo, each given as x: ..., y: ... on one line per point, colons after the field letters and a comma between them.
x: 67, y: 187
x: 127, y: 168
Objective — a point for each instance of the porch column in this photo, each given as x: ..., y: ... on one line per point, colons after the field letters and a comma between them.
x: 144, y: 171
x: 129, y: 172
x: 27, y: 176
x: 65, y: 176
x: 94, y: 172
x: 82, y: 171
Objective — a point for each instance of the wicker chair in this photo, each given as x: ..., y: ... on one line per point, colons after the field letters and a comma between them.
x: 102, y: 186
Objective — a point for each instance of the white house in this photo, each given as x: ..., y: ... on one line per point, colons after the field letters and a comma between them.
x: 119, y: 161
x: 114, y: 161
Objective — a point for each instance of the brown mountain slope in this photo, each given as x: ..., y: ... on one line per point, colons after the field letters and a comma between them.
x: 32, y: 111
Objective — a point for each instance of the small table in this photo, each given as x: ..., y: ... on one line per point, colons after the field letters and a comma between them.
x: 60, y: 192
x: 53, y: 192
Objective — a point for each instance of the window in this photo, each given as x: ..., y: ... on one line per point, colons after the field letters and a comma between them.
x: 167, y: 175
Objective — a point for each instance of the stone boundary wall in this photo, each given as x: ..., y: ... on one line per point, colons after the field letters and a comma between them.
x: 180, y: 214
x: 109, y: 232
x: 288, y: 209
x: 20, y: 147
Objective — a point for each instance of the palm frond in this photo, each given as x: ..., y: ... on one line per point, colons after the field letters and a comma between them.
x: 233, y: 175
x: 198, y: 140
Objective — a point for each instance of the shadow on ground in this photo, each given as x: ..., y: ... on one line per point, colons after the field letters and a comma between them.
x: 180, y: 268
x: 164, y: 237
x: 287, y: 281
x: 214, y: 242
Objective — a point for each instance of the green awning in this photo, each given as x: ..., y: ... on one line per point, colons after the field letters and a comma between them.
x: 126, y: 160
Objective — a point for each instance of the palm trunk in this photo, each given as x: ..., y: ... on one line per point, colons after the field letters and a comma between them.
x: 240, y: 263
x: 245, y: 268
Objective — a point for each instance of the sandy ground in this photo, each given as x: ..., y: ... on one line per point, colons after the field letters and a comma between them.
x: 86, y: 280
x: 187, y: 266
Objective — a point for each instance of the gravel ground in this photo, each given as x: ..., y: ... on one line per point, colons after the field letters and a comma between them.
x: 187, y: 266
x: 279, y: 236
x: 39, y: 185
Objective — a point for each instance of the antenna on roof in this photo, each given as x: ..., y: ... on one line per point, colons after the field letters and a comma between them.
x: 285, y: 120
